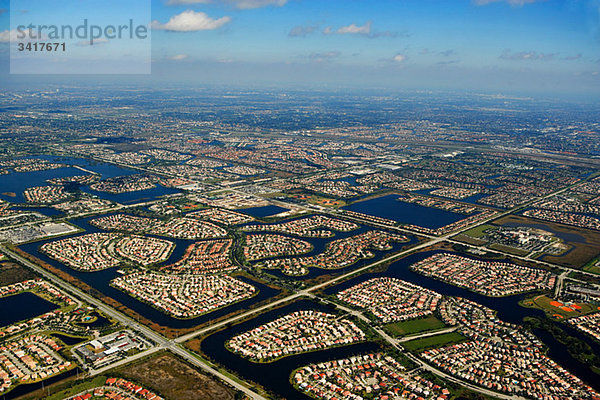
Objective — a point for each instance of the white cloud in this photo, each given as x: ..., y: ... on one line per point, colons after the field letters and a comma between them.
x: 239, y: 4
x: 354, y: 29
x: 190, y: 21
x: 13, y: 36
x: 179, y: 57
x: 8, y: 36
x: 363, y: 30
x: 399, y: 58
x: 514, y: 3
x: 301, y: 31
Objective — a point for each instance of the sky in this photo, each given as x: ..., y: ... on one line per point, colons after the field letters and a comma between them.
x: 499, y: 45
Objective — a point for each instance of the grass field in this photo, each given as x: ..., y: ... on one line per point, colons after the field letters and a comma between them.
x: 478, y: 231
x: 405, y: 328
x: 11, y: 272
x: 593, y: 266
x: 559, y: 310
x: 507, y: 249
x: 78, y: 388
x: 433, y: 342
x: 469, y: 240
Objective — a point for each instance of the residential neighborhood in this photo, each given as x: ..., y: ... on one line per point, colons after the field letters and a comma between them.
x: 391, y: 299
x: 485, y: 277
x: 298, y: 332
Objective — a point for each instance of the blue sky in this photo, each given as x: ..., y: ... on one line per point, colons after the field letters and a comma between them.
x: 512, y: 45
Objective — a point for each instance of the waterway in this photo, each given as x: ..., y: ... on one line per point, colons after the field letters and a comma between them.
x: 100, y: 281
x: 275, y: 376
x: 507, y: 307
x: 18, y: 182
x: 319, y: 245
x: 23, y: 306
x: 30, y: 387
x: 389, y: 207
x: 69, y: 340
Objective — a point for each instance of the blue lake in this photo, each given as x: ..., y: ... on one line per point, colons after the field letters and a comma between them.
x: 389, y: 207
x: 17, y: 182
x: 264, y: 211
x: 23, y: 306
x: 133, y: 197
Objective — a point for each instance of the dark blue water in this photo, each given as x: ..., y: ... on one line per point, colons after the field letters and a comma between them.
x: 47, y: 211
x: 507, y: 307
x: 133, y: 197
x: 100, y: 281
x: 30, y: 387
x: 471, y: 199
x: 407, y: 213
x: 17, y: 182
x: 319, y: 245
x: 275, y: 376
x: 350, y: 179
x: 23, y: 306
x: 265, y: 211
x: 69, y: 340
x: 104, y: 169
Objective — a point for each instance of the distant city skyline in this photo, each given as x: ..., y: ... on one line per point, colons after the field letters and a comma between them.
x: 506, y: 45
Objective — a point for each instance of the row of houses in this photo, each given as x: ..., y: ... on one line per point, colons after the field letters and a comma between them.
x: 318, y: 226
x: 184, y: 296
x: 98, y: 251
x: 269, y: 245
x: 28, y: 359
x: 178, y: 227
x: 488, y: 278
x: 501, y: 356
x: 391, y: 299
x: 365, y: 376
x: 338, y: 253
x: 298, y: 332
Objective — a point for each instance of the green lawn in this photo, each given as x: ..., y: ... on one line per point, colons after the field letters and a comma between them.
x: 77, y: 388
x: 412, y: 326
x: 436, y: 341
x: 591, y: 266
x: 477, y: 232
x: 556, y: 310
x: 508, y: 249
